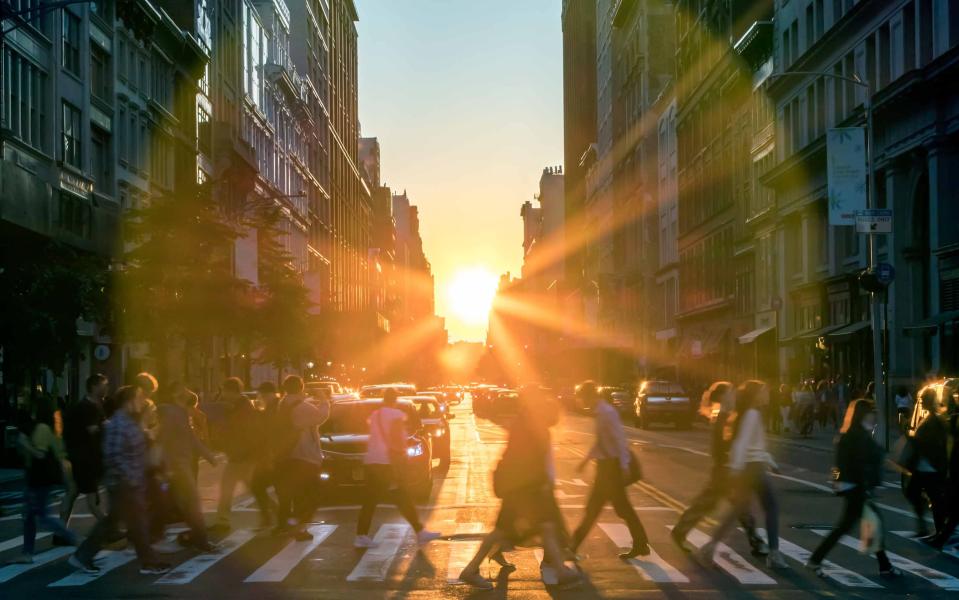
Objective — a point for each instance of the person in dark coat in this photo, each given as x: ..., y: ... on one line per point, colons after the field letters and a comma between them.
x: 931, y: 464
x: 859, y: 465
x: 952, y: 485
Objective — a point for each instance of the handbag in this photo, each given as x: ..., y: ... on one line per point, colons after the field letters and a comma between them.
x: 46, y: 471
x: 634, y: 470
x: 870, y: 531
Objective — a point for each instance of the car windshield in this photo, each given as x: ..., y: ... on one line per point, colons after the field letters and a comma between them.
x: 353, y: 417
x: 664, y: 387
x: 428, y: 409
x: 376, y: 391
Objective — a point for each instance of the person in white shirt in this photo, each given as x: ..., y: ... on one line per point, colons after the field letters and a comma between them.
x: 903, y: 406
x: 612, y: 468
x: 385, y: 452
x: 749, y: 465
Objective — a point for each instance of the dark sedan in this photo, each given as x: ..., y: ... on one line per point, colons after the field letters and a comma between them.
x: 436, y: 422
x: 345, y: 437
x: 662, y: 402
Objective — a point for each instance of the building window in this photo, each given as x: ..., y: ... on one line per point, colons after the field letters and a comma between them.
x: 204, y: 130
x: 24, y: 99
x: 100, y: 163
x: 71, y: 42
x: 73, y: 215
x: 99, y: 72
x: 72, y: 136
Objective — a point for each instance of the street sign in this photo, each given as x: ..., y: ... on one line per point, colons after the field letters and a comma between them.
x: 877, y: 220
x: 885, y: 273
x: 101, y: 352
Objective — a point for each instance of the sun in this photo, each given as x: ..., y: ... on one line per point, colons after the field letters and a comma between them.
x: 470, y: 294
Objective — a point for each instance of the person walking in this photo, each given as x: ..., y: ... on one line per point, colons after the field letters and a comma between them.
x: 125, y: 466
x: 384, y: 470
x: 83, y: 437
x: 786, y: 406
x: 723, y: 394
x: 263, y: 476
x: 903, y: 407
x: 952, y: 486
x: 181, y: 446
x: 524, y: 480
x: 199, y: 425
x: 43, y: 457
x: 298, y: 456
x: 749, y: 466
x: 858, y: 473
x: 241, y: 438
x: 612, y: 456
x: 930, y: 466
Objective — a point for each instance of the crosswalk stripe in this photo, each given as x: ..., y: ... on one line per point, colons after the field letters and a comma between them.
x: 830, y: 569
x: 937, y: 578
x: 951, y: 550
x: 376, y: 561
x: 188, y: 571
x: 10, y: 571
x: 731, y: 561
x: 652, y: 567
x: 18, y: 541
x: 462, y: 551
x: 278, y: 567
x: 107, y: 561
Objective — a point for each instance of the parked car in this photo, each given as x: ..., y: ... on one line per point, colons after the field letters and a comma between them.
x: 436, y: 422
x: 345, y: 437
x: 330, y: 385
x: 662, y: 401
x: 376, y: 391
x: 617, y: 397
x: 440, y: 397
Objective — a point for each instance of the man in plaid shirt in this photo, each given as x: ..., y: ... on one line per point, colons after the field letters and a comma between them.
x: 124, y: 461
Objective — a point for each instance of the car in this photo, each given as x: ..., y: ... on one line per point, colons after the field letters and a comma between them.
x: 436, y: 421
x: 438, y: 396
x: 662, y: 401
x: 376, y: 391
x: 330, y: 385
x: 620, y: 399
x: 345, y: 436
x: 945, y: 389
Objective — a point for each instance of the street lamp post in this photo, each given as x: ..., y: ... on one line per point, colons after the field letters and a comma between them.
x: 878, y: 366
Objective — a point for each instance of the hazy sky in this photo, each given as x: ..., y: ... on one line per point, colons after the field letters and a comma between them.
x: 466, y: 99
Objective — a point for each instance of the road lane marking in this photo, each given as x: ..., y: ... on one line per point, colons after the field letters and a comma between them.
x: 10, y: 571
x: 462, y: 551
x: 278, y: 567
x: 731, y: 561
x: 830, y: 569
x: 107, y: 561
x: 376, y: 561
x: 651, y: 568
x: 950, y: 548
x: 18, y: 541
x: 937, y: 578
x: 193, y: 568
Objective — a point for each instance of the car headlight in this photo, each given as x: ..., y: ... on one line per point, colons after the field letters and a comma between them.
x: 439, y: 432
x: 324, y: 476
x: 415, y: 450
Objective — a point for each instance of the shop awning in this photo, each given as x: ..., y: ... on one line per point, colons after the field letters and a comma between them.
x: 930, y: 325
x: 847, y: 331
x: 748, y: 338
x: 815, y: 334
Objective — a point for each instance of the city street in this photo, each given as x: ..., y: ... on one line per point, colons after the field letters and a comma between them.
x: 251, y: 564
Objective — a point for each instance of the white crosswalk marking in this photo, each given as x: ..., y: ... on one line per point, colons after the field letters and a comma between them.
x: 910, y: 535
x: 937, y: 578
x: 732, y: 562
x: 830, y: 569
x: 10, y: 571
x: 18, y: 541
x: 652, y: 567
x: 193, y: 568
x: 278, y: 567
x: 376, y: 561
x: 462, y: 551
x: 107, y: 561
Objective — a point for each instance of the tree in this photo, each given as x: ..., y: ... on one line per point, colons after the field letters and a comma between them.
x: 283, y: 304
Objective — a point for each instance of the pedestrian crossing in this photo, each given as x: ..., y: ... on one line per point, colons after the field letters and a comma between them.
x: 264, y: 561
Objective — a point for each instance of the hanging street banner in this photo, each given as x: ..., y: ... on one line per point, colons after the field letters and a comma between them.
x: 846, y: 173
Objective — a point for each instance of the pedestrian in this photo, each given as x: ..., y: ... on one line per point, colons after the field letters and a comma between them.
x: 612, y: 456
x: 157, y: 498
x: 181, y: 447
x: 198, y: 423
x: 384, y: 467
x: 43, y: 458
x: 858, y: 473
x: 903, y: 407
x: 83, y: 438
x: 929, y: 466
x: 298, y: 456
x: 785, y: 406
x: 774, y: 416
x: 266, y: 403
x: 523, y: 480
x: 749, y: 466
x: 805, y: 407
x: 241, y: 434
x: 952, y: 486
x: 125, y: 466
x: 723, y: 395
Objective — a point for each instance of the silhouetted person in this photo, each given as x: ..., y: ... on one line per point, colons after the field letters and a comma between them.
x: 930, y: 466
x: 83, y: 437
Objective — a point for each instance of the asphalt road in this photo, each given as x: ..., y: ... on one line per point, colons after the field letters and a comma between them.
x: 257, y: 565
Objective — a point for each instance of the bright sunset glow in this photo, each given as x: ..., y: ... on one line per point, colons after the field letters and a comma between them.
x: 470, y: 294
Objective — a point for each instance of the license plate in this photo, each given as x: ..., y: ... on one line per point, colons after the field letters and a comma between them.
x: 358, y: 474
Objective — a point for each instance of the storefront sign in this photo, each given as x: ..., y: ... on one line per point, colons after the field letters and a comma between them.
x: 846, y: 172
x: 76, y: 185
